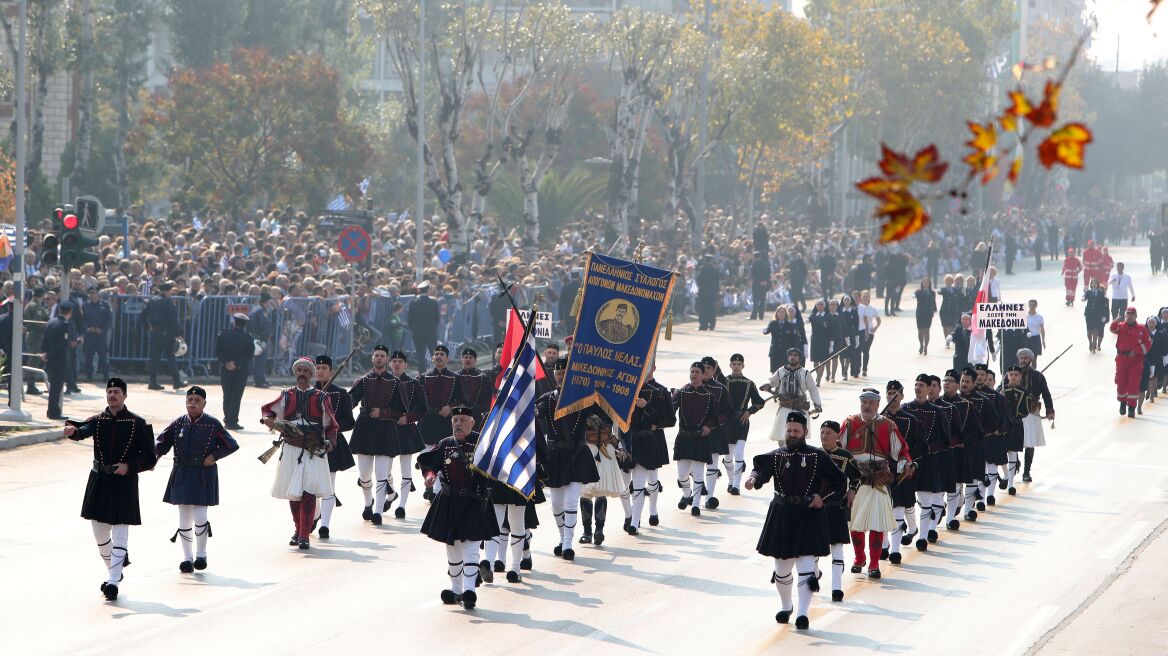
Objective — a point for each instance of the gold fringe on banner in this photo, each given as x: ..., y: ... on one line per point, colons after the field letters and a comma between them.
x: 575, y: 313
x: 669, y: 319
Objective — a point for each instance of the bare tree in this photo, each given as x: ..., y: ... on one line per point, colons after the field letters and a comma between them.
x: 87, y: 96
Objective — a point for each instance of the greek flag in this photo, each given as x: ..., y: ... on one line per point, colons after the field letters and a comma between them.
x: 364, y: 186
x: 506, y: 448
x: 338, y: 204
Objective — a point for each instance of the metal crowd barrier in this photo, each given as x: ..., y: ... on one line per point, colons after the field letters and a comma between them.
x: 311, y: 326
x: 212, y: 315
x: 130, y: 335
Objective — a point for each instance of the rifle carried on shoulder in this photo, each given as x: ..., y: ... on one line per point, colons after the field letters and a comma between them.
x: 285, y: 427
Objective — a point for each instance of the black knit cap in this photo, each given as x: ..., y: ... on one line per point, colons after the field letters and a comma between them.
x: 399, y: 355
x: 442, y: 349
x: 797, y: 417
x: 833, y: 425
x: 737, y: 357
x: 924, y: 378
x: 709, y: 361
x: 461, y: 410
x: 381, y: 347
x: 471, y: 352
x: 116, y: 382
x: 894, y: 385
x: 325, y: 360
x: 195, y: 390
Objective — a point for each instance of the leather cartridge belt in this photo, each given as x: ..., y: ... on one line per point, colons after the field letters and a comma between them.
x: 690, y: 434
x: 791, y: 500
x: 638, y: 434
x: 310, y: 440
x: 794, y: 403
x: 467, y: 494
x: 104, y: 469
x: 189, y: 461
x: 562, y: 445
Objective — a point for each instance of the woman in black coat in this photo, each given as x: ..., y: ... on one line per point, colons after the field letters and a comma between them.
x: 839, y: 339
x: 951, y: 303
x: 926, y: 310
x: 849, y: 331
x: 1096, y: 314
x: 821, y: 335
x: 786, y: 331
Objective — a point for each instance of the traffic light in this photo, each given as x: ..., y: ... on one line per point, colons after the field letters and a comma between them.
x: 74, y: 243
x: 50, y: 253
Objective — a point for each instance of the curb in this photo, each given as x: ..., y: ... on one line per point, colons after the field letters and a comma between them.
x: 31, y: 437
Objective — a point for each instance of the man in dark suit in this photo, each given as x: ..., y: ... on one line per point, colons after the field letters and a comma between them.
x: 422, y: 319
x: 234, y: 348
x: 96, y: 318
x: 161, y: 317
x: 263, y: 328
x: 55, y: 346
x: 709, y: 286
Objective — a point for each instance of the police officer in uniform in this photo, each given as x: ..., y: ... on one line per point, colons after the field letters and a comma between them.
x: 263, y: 327
x: 35, y: 310
x: 96, y: 319
x: 234, y: 348
x: 55, y: 347
x: 161, y: 318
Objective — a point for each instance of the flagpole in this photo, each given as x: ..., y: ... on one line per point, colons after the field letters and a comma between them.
x: 526, y: 330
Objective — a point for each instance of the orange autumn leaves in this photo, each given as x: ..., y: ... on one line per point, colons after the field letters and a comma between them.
x: 902, y: 209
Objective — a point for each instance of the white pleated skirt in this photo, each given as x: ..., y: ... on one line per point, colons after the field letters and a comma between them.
x: 299, y: 473
x: 872, y: 510
x: 779, y: 429
x: 611, y: 483
x: 1032, y: 434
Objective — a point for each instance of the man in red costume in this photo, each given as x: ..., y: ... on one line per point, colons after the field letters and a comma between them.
x: 881, y: 454
x: 1092, y: 261
x: 1072, y: 267
x: 303, y: 471
x: 1132, y: 343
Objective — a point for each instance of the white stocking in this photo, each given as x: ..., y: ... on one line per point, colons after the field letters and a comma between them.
x: 365, y: 477
x: 910, y: 519
x: 186, y: 530
x: 101, y: 533
x: 406, y: 467
x: 515, y: 521
x: 324, y: 509
x: 571, y: 507
x: 454, y: 566
x: 557, y: 499
x: 953, y: 502
x: 639, y: 475
x: 806, y: 568
x: 202, y: 531
x: 626, y: 500
x: 470, y: 568
x: 1011, y: 467
x: 783, y: 580
x: 119, y: 551
x: 991, y: 478
x: 712, y: 475
x: 837, y: 566
x: 653, y: 489
x: 739, y: 462
x: 896, y: 533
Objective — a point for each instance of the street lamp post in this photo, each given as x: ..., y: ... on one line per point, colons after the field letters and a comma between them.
x: 15, y: 358
x: 420, y: 196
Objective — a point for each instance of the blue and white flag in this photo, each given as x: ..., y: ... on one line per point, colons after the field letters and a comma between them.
x: 364, y: 186
x: 506, y: 448
x: 338, y: 204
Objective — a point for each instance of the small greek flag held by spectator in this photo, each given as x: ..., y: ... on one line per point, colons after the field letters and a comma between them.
x: 364, y: 186
x: 506, y: 448
x: 338, y: 204
x: 343, y: 316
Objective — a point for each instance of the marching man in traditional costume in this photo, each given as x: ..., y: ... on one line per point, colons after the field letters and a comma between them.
x: 881, y: 454
x: 718, y: 439
x: 648, y: 451
x: 745, y: 401
x: 123, y: 446
x: 1017, y: 410
x: 341, y: 457
x: 374, y: 435
x: 461, y: 515
x: 792, y: 384
x: 199, y: 442
x: 408, y: 404
x: 930, y: 486
x: 696, y: 420
x: 795, y: 531
x: 440, y: 386
x: 1037, y: 397
x: 839, y: 508
x: 309, y: 431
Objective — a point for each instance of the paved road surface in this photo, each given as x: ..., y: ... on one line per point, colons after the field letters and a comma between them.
x: 1028, y: 567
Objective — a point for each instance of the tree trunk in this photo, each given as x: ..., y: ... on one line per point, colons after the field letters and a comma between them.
x: 42, y: 63
x: 122, y: 107
x: 87, y: 102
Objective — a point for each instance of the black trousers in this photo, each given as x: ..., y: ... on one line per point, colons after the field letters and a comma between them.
x: 1118, y: 308
x: 892, y: 298
x: 797, y: 293
x: 707, y: 314
x: 860, y: 355
x: 71, y: 368
x: 587, y: 513
x: 259, y: 368
x: 95, y: 345
x: 56, y: 375
x: 162, y: 348
x: 758, y: 302
x: 233, y: 383
x: 423, y: 347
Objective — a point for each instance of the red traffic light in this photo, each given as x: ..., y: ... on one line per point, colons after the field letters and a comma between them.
x: 58, y: 214
x: 69, y: 222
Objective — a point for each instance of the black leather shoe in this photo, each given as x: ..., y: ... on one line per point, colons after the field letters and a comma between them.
x: 186, y: 567
x: 323, y: 533
x: 558, y: 550
x: 155, y: 387
x: 428, y: 495
x: 883, y: 554
x: 303, y: 546
x: 376, y: 519
x: 991, y: 501
x: 922, y: 545
x: 111, y: 592
x: 906, y: 539
x: 631, y: 530
x: 33, y: 391
x: 469, y: 599
x: 837, y: 595
x: 695, y: 511
x: 856, y: 569
x: 783, y: 616
x: 399, y: 513
x: 1131, y: 412
x: 499, y: 566
x: 932, y: 536
x: 1001, y: 483
x: 734, y: 491
x: 1026, y: 478
x: 628, y: 522
x: 802, y: 623
x: 569, y: 554
x: 485, y: 571
x: 954, y: 525
x: 1122, y: 408
x: 685, y: 501
x: 513, y: 577
x: 586, y: 538
x: 201, y: 563
x: 971, y: 516
x: 367, y: 515
x: 525, y: 564
x: 295, y: 540
x: 1012, y: 491
x: 599, y: 538
x: 980, y: 506
x: 874, y: 573
x: 449, y: 598
x: 894, y: 558
x: 654, y: 520
x: 712, y: 503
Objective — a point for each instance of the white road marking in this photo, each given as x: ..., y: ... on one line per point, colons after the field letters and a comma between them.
x: 1122, y: 545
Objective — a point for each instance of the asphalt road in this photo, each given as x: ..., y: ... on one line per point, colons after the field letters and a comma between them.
x: 1024, y: 574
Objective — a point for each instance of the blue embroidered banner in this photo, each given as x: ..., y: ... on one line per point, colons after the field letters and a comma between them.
x: 621, y: 310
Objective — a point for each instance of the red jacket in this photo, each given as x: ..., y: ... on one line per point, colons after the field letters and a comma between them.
x: 1072, y: 267
x: 887, y: 442
x: 1131, y: 339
